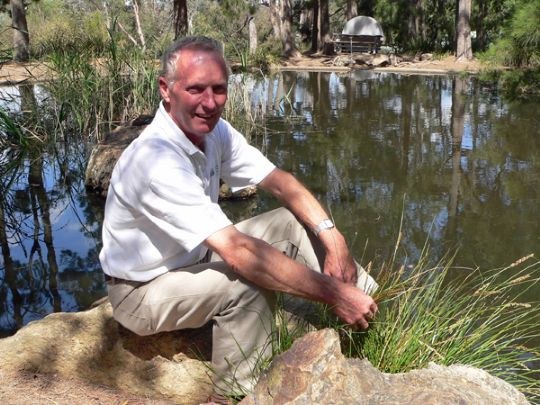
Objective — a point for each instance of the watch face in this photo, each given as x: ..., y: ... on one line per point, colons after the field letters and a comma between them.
x: 325, y: 224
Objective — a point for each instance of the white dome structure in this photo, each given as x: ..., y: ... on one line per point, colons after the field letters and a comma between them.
x: 362, y: 25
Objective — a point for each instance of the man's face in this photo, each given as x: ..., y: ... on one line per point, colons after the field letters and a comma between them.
x: 197, y: 94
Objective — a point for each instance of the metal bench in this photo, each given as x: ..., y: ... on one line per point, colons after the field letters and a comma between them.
x: 356, y: 43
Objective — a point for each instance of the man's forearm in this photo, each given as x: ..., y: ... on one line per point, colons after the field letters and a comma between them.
x: 295, y: 196
x: 269, y: 268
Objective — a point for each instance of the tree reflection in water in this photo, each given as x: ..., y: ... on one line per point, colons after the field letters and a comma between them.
x: 49, y: 234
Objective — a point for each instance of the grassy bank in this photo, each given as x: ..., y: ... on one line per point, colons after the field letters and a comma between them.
x: 435, y: 312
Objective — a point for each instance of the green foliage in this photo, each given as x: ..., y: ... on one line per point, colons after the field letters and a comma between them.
x: 10, y: 131
x: 488, y: 19
x: 435, y: 19
x: 212, y: 19
x: 27, y: 129
x: 54, y: 26
x: 227, y: 22
x: 94, y: 95
x: 267, y: 54
x: 519, y: 45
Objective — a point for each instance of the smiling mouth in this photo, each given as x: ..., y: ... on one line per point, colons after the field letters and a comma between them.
x: 205, y: 116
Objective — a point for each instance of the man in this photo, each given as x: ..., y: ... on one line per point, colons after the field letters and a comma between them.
x: 173, y: 259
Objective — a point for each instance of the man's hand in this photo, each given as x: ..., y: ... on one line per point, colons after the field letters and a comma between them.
x: 342, y: 268
x: 338, y: 262
x: 355, y: 307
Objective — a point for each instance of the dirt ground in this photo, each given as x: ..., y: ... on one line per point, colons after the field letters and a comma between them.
x: 447, y: 64
x: 13, y: 73
x: 24, y: 388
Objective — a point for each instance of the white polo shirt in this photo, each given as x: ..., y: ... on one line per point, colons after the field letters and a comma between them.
x: 162, y: 198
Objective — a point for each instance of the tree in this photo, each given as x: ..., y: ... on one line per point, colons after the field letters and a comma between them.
x: 180, y: 18
x: 351, y: 9
x: 281, y: 12
x: 463, y: 30
x: 324, y: 28
x: 252, y: 29
x: 21, y: 39
x: 315, y: 26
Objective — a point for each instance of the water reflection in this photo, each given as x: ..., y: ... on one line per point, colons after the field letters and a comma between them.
x: 456, y: 160
x: 48, y: 234
x: 465, y: 161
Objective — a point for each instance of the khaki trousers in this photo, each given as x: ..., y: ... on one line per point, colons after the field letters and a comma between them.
x: 241, y: 312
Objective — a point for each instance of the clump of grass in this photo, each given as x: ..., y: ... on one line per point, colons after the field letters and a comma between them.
x: 438, y: 313
x: 443, y: 314
x: 21, y: 130
x: 92, y: 94
x: 240, y: 110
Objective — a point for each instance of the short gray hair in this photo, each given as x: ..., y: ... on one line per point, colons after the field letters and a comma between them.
x: 199, y: 43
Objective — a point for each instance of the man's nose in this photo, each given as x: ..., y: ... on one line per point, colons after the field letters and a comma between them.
x: 208, y: 99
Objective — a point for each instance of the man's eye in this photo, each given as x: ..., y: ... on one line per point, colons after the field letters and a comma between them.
x: 220, y: 90
x: 195, y: 90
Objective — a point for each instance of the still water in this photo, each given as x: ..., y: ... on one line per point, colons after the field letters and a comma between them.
x: 445, y: 158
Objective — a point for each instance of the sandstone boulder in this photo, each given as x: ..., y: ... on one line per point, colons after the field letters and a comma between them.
x: 91, y: 346
x: 106, y: 153
x: 314, y: 371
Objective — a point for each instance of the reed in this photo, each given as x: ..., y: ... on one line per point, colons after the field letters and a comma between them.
x: 241, y: 111
x: 448, y: 315
x: 92, y: 95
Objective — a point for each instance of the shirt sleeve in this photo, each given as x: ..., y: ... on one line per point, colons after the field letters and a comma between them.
x: 242, y: 164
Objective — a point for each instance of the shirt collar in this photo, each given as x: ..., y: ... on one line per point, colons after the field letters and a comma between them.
x: 174, y: 133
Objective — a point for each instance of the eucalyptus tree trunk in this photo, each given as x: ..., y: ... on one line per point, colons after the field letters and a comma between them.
x: 480, y: 26
x: 351, y: 10
x: 252, y: 35
x: 282, y: 12
x: 274, y: 18
x: 315, y: 26
x: 21, y: 39
x: 463, y: 31
x: 180, y: 14
x: 324, y: 28
x: 138, y: 24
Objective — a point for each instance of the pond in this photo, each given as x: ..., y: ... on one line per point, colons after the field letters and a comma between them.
x: 445, y: 159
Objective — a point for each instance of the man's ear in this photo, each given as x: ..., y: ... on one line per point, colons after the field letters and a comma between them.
x: 164, y: 89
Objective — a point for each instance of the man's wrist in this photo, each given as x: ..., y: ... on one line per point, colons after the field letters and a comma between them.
x: 323, y: 225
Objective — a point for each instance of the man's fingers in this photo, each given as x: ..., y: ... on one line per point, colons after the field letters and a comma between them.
x: 363, y: 323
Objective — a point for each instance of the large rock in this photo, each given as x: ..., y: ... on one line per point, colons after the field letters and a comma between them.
x: 106, y: 153
x: 314, y: 371
x: 91, y: 346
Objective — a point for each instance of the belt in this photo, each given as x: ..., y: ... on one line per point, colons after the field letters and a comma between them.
x: 113, y: 280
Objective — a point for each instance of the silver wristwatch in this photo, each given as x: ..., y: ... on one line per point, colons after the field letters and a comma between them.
x: 324, y: 224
